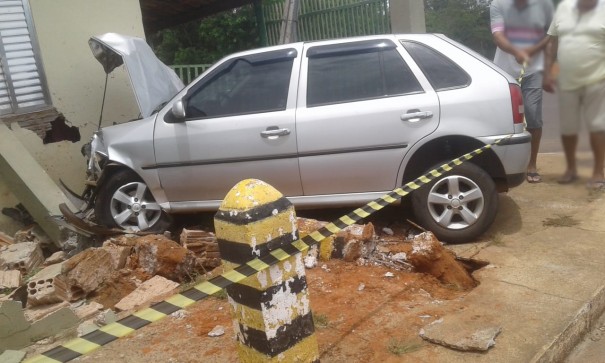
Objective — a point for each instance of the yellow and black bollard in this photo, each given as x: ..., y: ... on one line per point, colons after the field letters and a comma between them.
x: 271, y: 312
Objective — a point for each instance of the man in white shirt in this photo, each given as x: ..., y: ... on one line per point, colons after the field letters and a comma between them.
x: 577, y: 42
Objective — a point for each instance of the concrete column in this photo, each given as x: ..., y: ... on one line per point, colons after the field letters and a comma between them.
x: 30, y: 183
x: 271, y: 312
x: 407, y: 16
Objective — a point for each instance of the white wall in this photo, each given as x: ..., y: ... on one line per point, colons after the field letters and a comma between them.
x: 76, y: 80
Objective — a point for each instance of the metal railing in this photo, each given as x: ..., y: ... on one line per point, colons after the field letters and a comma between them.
x: 325, y: 19
x: 189, y: 72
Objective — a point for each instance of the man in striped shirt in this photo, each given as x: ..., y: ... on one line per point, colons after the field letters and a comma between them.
x: 519, y: 30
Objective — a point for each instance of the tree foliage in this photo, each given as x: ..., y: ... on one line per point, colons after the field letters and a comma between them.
x: 207, y: 40
x: 466, y: 21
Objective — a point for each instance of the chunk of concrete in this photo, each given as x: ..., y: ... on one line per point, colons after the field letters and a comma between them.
x: 86, y: 271
x: 464, y: 335
x: 39, y: 312
x: 24, y: 257
x: 55, y: 258
x: 12, y: 356
x: 47, y: 287
x: 86, y: 310
x: 119, y: 254
x: 16, y: 332
x: 10, y: 279
x: 157, y: 255
x: 150, y: 291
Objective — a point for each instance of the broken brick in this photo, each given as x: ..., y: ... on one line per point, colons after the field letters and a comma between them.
x: 151, y: 291
x: 10, y: 279
x: 158, y: 255
x: 25, y: 257
x: 47, y: 287
x: 86, y: 271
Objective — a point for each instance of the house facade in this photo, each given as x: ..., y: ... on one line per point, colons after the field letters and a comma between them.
x: 51, y: 86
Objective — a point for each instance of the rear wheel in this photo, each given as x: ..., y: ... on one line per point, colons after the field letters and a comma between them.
x: 124, y: 201
x: 458, y: 206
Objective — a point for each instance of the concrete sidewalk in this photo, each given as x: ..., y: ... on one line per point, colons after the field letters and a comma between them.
x: 544, y: 286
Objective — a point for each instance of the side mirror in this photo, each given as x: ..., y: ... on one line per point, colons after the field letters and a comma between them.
x: 178, y: 110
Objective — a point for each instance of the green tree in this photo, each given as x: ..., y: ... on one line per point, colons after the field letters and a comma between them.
x: 209, y: 39
x: 466, y: 21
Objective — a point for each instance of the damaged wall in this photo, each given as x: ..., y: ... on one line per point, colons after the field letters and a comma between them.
x: 76, y: 81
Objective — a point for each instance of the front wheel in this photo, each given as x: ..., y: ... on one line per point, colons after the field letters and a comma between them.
x: 124, y: 201
x: 458, y: 206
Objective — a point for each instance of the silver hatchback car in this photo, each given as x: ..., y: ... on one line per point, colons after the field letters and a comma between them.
x: 327, y: 123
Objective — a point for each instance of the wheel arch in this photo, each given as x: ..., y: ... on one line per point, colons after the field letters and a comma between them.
x: 446, y: 148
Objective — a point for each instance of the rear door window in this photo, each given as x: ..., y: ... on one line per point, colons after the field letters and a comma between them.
x: 357, y: 71
x: 443, y: 73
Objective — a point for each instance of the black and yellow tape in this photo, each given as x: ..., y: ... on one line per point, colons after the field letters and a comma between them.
x: 104, y: 335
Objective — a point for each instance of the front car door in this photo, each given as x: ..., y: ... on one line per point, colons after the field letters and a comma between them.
x: 239, y: 124
x: 362, y: 105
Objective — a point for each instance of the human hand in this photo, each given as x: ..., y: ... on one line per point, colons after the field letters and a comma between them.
x: 521, y: 56
x: 548, y: 82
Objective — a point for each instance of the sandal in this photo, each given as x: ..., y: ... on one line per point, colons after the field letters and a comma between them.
x: 533, y: 177
x: 567, y: 178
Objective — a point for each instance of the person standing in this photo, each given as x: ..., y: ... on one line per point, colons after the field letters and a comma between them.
x: 519, y: 31
x: 577, y: 42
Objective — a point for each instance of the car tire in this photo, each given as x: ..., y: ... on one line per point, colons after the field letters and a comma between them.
x: 124, y: 201
x: 458, y: 206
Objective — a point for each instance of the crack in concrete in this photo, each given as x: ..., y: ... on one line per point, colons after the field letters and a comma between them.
x: 538, y: 291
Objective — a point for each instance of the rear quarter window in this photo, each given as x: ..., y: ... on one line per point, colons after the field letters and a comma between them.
x: 357, y: 73
x: 442, y: 73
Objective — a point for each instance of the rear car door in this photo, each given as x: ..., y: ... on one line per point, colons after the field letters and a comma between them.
x: 239, y: 125
x: 362, y: 105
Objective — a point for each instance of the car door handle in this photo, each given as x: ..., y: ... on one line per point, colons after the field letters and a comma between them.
x: 415, y: 116
x: 273, y: 132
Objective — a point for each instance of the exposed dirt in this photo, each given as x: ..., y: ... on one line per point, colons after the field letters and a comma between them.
x: 377, y: 317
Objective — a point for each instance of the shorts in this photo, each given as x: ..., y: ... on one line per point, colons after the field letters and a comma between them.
x: 531, y: 86
x: 583, y: 105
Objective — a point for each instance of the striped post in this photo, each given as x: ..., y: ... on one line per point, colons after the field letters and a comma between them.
x: 271, y: 312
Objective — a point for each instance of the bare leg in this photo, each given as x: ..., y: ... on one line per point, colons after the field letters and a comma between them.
x: 597, y: 143
x: 536, y: 135
x: 570, y: 142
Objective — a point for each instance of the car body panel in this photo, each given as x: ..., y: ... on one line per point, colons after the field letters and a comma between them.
x: 336, y: 154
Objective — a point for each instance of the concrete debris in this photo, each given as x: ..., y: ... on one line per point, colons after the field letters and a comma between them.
x: 468, y: 335
x: 119, y: 254
x: 10, y: 279
x: 179, y: 314
x: 388, y: 231
x: 217, y: 331
x: 47, y: 287
x: 16, y: 332
x: 150, y: 291
x: 106, y: 317
x: 12, y: 356
x: 87, y: 271
x: 55, y: 258
x: 157, y: 255
x: 361, y: 287
x: 86, y: 310
x: 6, y: 240
x: 39, y: 312
x: 86, y: 327
x: 25, y: 257
x: 34, y: 233
x: 389, y: 274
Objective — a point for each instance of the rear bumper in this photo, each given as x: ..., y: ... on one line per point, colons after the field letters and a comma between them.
x: 514, y: 180
x: 514, y: 153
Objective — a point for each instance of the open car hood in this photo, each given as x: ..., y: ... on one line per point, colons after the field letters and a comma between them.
x: 152, y: 81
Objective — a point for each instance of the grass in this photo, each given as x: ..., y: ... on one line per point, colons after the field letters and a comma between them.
x: 321, y: 321
x: 560, y: 221
x: 400, y: 347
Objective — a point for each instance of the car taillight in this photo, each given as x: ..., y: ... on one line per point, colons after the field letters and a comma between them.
x: 516, y: 98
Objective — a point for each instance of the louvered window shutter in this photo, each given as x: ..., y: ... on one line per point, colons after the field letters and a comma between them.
x: 22, y: 82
